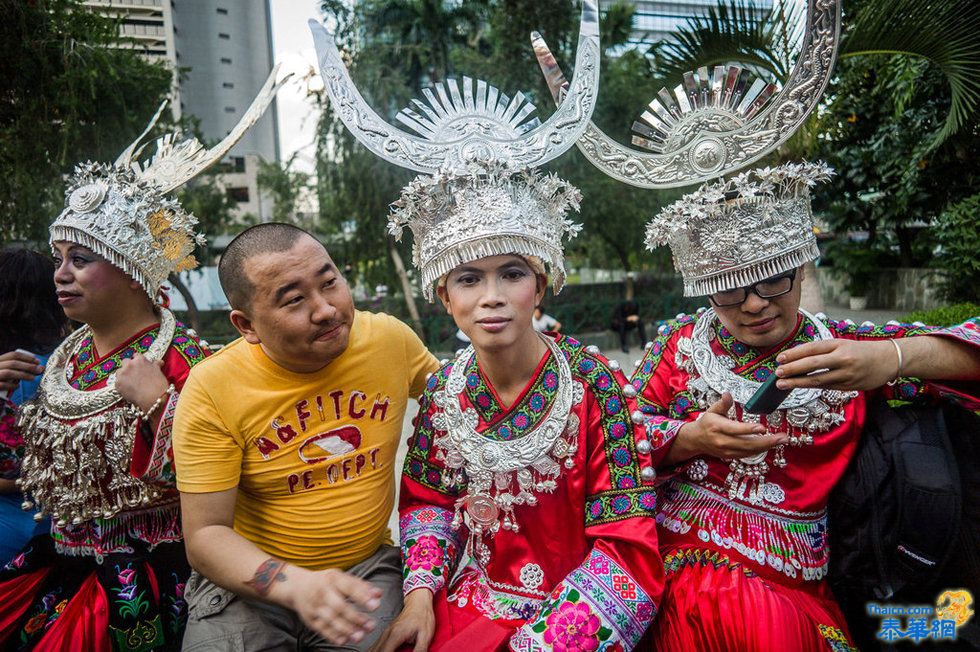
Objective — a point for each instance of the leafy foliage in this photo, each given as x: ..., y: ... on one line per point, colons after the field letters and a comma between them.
x: 946, y: 315
x: 960, y: 249
x: 287, y: 187
x: 68, y: 96
x: 734, y: 31
x: 945, y: 32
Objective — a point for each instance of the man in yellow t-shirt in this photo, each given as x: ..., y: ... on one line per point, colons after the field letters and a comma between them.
x: 285, y: 444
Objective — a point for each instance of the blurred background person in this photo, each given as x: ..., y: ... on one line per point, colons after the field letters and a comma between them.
x: 543, y: 322
x: 30, y: 321
x: 626, y: 317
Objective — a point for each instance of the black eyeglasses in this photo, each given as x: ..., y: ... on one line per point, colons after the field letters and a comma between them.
x: 769, y: 288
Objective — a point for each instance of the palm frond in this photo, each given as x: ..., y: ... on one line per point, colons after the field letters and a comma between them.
x: 616, y: 25
x: 946, y: 32
x: 736, y: 31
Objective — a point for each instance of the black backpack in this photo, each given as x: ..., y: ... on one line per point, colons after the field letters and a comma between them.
x: 904, y: 521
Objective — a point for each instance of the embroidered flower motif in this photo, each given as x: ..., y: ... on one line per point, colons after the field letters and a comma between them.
x: 648, y: 500
x: 425, y: 554
x: 128, y: 593
x: 613, y: 405
x: 126, y: 577
x: 35, y: 623
x: 572, y: 628
x: 624, y: 586
x: 537, y: 402
x: 598, y: 565
x: 622, y: 456
x: 586, y: 365
x: 595, y: 509
x: 550, y: 380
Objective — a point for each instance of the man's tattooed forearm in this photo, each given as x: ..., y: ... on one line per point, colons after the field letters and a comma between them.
x: 271, y: 570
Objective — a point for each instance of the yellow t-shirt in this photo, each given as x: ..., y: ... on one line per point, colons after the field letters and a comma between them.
x: 312, y: 454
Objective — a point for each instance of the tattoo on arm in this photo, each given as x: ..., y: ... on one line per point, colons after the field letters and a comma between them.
x: 269, y: 571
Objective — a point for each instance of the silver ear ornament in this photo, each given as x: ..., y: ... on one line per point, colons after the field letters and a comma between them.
x: 713, y: 123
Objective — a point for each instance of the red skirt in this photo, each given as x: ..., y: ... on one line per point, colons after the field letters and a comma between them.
x: 459, y: 629
x: 131, y: 601
x: 724, y: 608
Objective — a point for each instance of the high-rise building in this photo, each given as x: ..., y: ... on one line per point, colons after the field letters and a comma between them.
x: 146, y: 25
x: 222, y: 50
x: 657, y: 20
x: 227, y: 47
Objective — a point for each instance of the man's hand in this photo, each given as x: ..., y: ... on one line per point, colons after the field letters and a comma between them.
x: 16, y: 366
x: 716, y: 435
x: 415, y: 624
x: 325, y: 600
x: 140, y: 381
x: 849, y: 365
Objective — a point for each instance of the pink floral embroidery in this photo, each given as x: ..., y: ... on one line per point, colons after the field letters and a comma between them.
x: 598, y: 564
x: 126, y: 576
x: 572, y: 628
x: 17, y: 562
x: 623, y: 586
x: 425, y: 554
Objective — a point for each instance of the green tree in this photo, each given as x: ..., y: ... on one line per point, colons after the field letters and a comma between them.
x: 68, y: 96
x: 287, y: 187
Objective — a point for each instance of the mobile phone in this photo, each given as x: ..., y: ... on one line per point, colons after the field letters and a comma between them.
x: 767, y: 398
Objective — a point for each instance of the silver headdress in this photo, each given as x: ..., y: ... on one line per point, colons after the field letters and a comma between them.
x: 732, y: 234
x: 476, y: 148
x: 490, y: 210
x: 713, y: 123
x: 122, y: 213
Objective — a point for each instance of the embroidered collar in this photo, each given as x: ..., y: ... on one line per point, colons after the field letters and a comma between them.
x: 527, y: 412
x: 505, y: 473
x: 86, y: 368
x: 757, y: 364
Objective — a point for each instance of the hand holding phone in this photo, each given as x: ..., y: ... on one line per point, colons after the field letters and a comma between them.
x: 767, y: 398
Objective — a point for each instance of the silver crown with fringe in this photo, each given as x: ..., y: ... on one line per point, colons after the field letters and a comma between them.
x: 478, y: 194
x: 488, y: 211
x: 731, y: 234
x: 121, y: 211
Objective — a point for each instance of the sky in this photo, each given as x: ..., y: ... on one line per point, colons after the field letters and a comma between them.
x: 292, y: 46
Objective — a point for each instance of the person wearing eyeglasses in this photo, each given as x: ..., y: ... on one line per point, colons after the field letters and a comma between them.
x: 742, y: 509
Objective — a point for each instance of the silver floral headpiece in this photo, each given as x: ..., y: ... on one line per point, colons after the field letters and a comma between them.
x: 121, y: 211
x: 732, y: 234
x: 488, y: 211
x: 477, y: 148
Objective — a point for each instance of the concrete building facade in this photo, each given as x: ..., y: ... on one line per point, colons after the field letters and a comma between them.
x: 221, y: 51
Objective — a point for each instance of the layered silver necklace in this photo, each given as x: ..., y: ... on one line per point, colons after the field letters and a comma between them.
x: 502, y: 474
x: 805, y: 412
x: 79, y: 443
